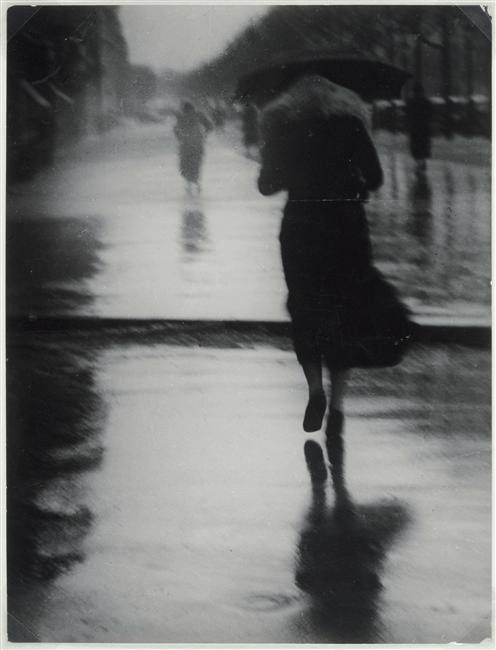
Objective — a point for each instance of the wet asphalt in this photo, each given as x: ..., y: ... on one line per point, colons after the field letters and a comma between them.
x: 111, y: 233
x: 158, y: 487
x: 162, y: 496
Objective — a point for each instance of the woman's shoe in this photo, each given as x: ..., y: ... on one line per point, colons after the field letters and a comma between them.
x: 314, y: 413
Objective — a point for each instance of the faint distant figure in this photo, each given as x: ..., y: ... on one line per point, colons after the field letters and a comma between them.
x: 250, y: 129
x: 191, y: 130
x: 419, y: 122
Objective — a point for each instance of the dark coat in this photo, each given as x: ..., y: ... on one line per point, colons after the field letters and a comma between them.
x: 191, y: 130
x: 315, y: 143
x: 419, y: 120
x: 326, y: 159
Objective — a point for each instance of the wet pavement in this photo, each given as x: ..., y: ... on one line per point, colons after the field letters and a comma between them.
x: 159, y: 493
x: 111, y: 233
x: 158, y: 489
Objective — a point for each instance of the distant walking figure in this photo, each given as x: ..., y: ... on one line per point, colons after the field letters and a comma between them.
x: 419, y: 120
x: 315, y: 145
x: 191, y: 130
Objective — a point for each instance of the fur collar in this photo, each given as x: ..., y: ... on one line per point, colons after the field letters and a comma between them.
x: 313, y: 97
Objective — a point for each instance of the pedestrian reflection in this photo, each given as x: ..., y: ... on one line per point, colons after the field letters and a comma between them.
x: 420, y: 222
x: 449, y: 215
x: 341, y: 553
x: 450, y: 271
x: 449, y: 184
x: 194, y: 234
x: 393, y: 174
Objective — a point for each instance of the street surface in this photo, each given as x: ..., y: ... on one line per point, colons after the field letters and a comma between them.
x: 158, y: 491
x: 112, y: 233
x: 174, y: 504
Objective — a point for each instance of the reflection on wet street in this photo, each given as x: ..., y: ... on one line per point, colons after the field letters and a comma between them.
x: 341, y: 553
x: 160, y: 489
x: 55, y: 420
x: 49, y: 263
x: 432, y: 234
x: 159, y: 496
x: 194, y: 235
x: 217, y: 255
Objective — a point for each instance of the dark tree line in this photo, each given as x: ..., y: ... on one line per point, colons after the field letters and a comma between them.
x: 432, y: 42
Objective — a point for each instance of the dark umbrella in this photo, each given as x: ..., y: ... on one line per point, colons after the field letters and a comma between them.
x: 370, y: 78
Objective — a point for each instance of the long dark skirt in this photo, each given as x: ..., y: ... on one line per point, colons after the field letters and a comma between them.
x: 342, y: 308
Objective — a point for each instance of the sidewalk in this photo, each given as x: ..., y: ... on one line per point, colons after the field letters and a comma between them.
x: 171, y: 502
x: 111, y: 235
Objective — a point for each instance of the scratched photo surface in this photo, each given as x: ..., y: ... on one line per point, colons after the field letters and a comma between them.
x: 248, y: 300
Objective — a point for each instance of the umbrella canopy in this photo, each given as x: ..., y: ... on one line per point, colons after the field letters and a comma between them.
x: 311, y: 98
x: 370, y: 78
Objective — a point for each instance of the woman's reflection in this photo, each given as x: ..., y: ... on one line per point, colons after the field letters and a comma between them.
x: 341, y: 552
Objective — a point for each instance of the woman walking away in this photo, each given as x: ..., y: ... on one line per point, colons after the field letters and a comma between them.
x: 316, y: 146
x: 191, y: 130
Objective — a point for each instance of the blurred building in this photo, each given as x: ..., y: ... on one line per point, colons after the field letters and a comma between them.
x: 66, y: 72
x: 141, y: 88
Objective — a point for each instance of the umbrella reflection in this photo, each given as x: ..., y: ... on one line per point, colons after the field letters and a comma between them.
x: 341, y: 553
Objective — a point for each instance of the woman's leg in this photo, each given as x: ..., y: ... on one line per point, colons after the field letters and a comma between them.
x: 310, y: 359
x: 299, y: 255
x: 316, y: 407
x: 335, y: 418
x: 313, y: 375
x: 334, y: 426
x: 339, y: 379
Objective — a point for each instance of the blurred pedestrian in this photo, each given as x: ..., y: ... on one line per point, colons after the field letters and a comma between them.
x: 191, y: 130
x: 316, y: 146
x: 419, y: 122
